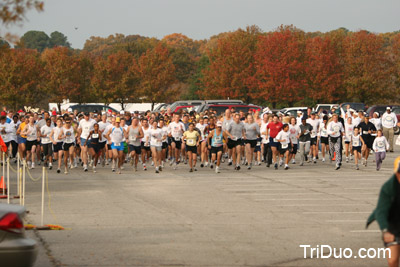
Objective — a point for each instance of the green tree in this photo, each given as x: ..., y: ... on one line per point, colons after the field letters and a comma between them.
x: 34, y: 40
x: 4, y: 44
x: 58, y: 39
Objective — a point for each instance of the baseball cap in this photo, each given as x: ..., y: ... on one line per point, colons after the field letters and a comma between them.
x: 299, y: 112
x: 219, y: 124
x: 366, y: 115
x: 86, y: 113
x: 69, y: 109
x: 122, y: 112
x: 117, y: 119
x: 388, y: 108
x: 396, y: 165
x: 313, y: 113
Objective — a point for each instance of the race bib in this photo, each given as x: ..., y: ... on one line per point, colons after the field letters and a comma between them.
x: 177, y: 138
x: 234, y: 138
x: 258, y: 143
x: 356, y: 143
x: 293, y: 139
x: 313, y: 134
x: 132, y: 138
x: 365, y: 132
x: 117, y: 144
x: 285, y: 145
x: 190, y: 142
x: 95, y: 135
x: 218, y: 138
x: 380, y: 144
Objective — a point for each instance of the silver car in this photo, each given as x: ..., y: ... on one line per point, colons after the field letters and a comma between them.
x: 15, y: 248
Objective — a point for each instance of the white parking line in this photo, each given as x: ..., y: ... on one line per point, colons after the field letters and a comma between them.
x: 320, y: 205
x: 334, y: 212
x: 365, y: 231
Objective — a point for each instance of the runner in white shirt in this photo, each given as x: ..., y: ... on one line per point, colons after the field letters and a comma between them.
x: 145, y: 144
x: 5, y: 132
x: 69, y: 136
x: 323, y: 137
x: 267, y: 152
x: 349, y: 130
x: 380, y: 146
x: 356, y: 119
x: 116, y: 134
x: 376, y: 121
x: 14, y: 124
x: 314, y: 122
x: 47, y: 145
x: 135, y: 134
x: 335, y: 132
x: 57, y: 142
x: 109, y: 152
x: 84, y: 128
x: 356, y: 144
x: 32, y: 133
x: 389, y: 121
x: 102, y: 127
x: 176, y: 129
x: 283, y: 138
x: 225, y: 123
x: 157, y: 136
x: 294, y: 131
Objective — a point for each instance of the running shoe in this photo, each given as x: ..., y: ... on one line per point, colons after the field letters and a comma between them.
x: 216, y: 169
x: 58, y: 170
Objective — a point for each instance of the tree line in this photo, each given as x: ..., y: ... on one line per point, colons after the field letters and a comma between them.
x: 285, y: 67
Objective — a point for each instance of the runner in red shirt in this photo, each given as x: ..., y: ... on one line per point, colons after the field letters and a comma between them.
x: 273, y: 129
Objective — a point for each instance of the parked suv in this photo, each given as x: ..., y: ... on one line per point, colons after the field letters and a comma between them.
x: 292, y: 111
x: 92, y: 108
x: 196, y: 104
x: 355, y: 106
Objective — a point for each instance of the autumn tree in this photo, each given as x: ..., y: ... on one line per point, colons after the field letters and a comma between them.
x: 323, y: 70
x: 61, y: 72
x: 231, y: 66
x: 157, y: 73
x: 366, y: 68
x: 116, y: 78
x: 20, y: 78
x: 279, y: 61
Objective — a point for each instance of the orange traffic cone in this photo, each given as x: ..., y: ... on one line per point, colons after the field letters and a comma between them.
x: 3, y: 186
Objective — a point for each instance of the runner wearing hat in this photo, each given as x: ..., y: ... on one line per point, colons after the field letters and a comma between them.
x: 387, y: 214
x: 389, y: 121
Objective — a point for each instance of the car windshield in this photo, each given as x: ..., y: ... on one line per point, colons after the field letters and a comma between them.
x: 396, y: 110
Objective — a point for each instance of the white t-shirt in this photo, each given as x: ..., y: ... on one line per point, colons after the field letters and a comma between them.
x: 322, y: 131
x: 108, y: 128
x: 315, y: 124
x: 356, y: 121
x: 146, y: 136
x: 380, y: 144
x: 102, y: 127
x: 117, y: 135
x: 348, y: 128
x: 7, y: 128
x: 355, y: 140
x: 69, y: 136
x: 389, y: 120
x: 56, y: 134
x: 156, y: 136
x: 263, y: 129
x: 282, y: 135
x: 176, y: 130
x: 86, y: 127
x: 335, y: 129
x: 294, y: 132
x: 46, y: 130
x: 31, y: 132
x: 201, y: 127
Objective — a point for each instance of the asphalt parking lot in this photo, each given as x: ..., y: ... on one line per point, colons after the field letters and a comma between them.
x: 176, y: 218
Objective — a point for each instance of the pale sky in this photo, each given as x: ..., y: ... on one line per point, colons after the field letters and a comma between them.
x: 204, y: 18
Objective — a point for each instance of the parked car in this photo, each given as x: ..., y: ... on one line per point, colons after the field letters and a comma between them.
x: 195, y: 104
x: 15, y: 248
x: 355, y: 106
x: 326, y: 107
x: 292, y: 111
x: 91, y: 108
x: 220, y: 108
x: 161, y: 106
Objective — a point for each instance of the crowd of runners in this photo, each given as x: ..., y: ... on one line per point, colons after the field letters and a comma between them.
x: 69, y: 139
